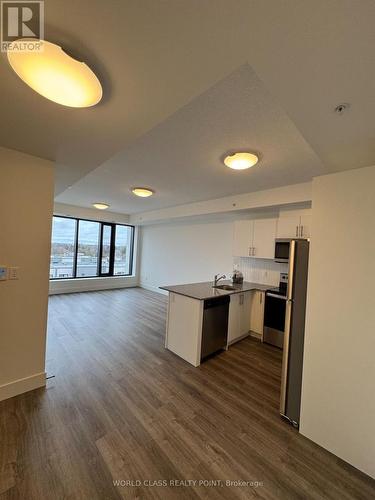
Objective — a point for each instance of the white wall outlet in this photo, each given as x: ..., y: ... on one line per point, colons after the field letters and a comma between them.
x: 3, y: 273
x: 13, y: 273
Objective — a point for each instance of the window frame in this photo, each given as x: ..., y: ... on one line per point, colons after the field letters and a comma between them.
x: 100, y: 249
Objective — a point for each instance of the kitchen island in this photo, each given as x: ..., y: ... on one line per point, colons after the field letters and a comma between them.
x: 202, y: 318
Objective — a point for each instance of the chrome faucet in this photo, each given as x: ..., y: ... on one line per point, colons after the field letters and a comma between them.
x: 217, y: 278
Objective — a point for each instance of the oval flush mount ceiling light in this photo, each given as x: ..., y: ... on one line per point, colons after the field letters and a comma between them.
x: 100, y: 206
x: 142, y: 192
x: 56, y: 75
x: 241, y: 161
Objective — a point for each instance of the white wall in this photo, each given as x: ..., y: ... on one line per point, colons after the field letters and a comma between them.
x: 338, y: 397
x: 25, y: 219
x: 196, y: 251
x: 91, y: 284
x: 185, y: 253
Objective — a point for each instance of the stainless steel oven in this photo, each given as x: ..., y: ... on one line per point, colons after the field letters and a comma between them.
x: 274, y: 318
x: 282, y: 249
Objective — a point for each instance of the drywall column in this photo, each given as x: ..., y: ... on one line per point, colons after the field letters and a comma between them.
x: 26, y: 202
x: 338, y: 404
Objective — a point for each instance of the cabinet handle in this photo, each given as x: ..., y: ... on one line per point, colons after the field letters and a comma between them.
x: 253, y: 250
x: 249, y: 251
x: 261, y: 297
x: 296, y: 231
x: 301, y: 231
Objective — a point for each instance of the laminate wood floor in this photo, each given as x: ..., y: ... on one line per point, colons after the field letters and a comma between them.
x: 122, y: 408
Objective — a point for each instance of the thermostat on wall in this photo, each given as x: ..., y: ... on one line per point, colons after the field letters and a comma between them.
x: 3, y: 273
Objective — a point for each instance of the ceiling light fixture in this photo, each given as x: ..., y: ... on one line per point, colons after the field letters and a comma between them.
x: 142, y: 192
x: 57, y: 76
x: 100, y: 206
x: 241, y: 161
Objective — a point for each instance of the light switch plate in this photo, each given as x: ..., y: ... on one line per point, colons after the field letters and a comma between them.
x: 13, y: 273
x: 3, y: 273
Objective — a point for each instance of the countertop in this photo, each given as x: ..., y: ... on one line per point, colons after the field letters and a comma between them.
x: 203, y: 291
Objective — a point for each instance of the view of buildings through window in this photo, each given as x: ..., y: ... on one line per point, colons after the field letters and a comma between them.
x: 83, y: 248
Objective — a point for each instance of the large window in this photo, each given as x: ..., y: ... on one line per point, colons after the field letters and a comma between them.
x: 88, y: 249
x: 123, y: 255
x: 85, y: 249
x: 63, y: 247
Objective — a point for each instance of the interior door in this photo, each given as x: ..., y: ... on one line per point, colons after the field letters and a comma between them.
x: 264, y: 238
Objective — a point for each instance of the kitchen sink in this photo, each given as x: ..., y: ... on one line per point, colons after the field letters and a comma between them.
x: 224, y: 287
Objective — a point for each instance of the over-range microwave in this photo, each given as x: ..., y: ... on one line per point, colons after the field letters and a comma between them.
x: 282, y: 248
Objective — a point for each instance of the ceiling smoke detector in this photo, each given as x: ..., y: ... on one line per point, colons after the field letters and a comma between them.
x: 341, y: 108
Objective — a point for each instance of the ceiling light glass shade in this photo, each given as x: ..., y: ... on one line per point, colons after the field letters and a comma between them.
x: 100, y: 206
x: 142, y: 192
x: 57, y: 76
x: 241, y: 161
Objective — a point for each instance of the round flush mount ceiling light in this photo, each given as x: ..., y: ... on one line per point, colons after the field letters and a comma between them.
x: 241, y: 161
x: 100, y: 206
x: 142, y: 192
x: 55, y: 75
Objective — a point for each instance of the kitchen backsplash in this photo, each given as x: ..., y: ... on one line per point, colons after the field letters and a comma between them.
x: 260, y: 270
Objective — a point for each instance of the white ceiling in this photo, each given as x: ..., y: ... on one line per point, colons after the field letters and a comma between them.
x: 156, y: 56
x: 182, y: 157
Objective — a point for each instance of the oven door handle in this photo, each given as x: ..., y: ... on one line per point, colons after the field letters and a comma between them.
x: 276, y: 296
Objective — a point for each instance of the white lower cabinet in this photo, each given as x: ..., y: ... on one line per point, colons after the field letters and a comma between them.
x: 257, y: 312
x: 239, y: 316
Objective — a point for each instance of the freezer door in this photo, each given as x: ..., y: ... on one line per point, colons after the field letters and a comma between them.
x: 290, y: 401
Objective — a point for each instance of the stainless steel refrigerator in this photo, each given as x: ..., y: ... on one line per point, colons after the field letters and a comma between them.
x: 291, y: 379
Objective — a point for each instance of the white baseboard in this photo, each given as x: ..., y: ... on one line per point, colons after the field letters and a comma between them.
x: 90, y: 284
x: 152, y: 288
x: 255, y: 335
x: 22, y: 385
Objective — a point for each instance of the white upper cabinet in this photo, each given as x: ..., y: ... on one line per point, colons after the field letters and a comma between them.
x: 264, y: 234
x: 243, y: 238
x: 305, y: 231
x: 255, y: 238
x: 294, y: 225
x: 288, y: 226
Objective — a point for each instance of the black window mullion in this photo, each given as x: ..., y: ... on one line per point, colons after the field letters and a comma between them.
x: 131, y: 252
x: 76, y: 250
x: 100, y: 252
x: 112, y: 250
